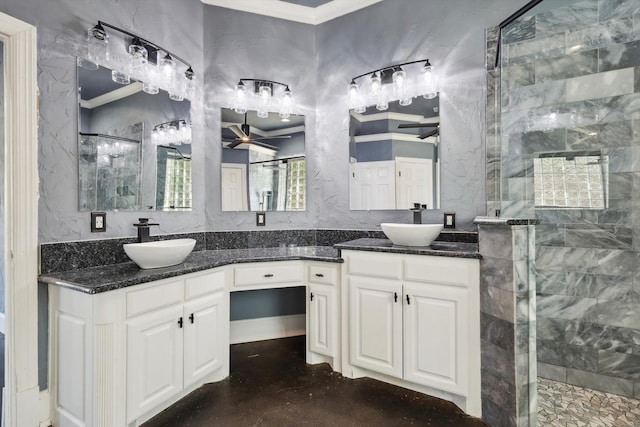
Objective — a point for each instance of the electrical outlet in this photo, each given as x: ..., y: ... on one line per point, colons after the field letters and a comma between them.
x: 261, y: 219
x: 98, y: 222
x: 449, y: 220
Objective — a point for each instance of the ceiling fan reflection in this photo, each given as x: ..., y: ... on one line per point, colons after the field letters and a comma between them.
x: 243, y: 136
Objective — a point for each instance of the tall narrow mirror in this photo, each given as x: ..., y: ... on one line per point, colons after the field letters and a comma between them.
x: 263, y: 162
x: 393, y: 156
x: 121, y: 134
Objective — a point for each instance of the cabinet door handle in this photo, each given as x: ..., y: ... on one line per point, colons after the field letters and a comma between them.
x: 395, y: 297
x: 268, y: 275
x: 408, y: 300
x: 311, y: 296
x: 319, y: 275
x: 180, y: 322
x: 192, y: 318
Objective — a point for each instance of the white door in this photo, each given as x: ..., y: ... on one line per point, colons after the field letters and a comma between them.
x: 376, y: 325
x: 374, y: 184
x: 204, y: 338
x: 436, y: 336
x: 322, y: 313
x: 234, y: 187
x: 414, y: 182
x: 154, y: 359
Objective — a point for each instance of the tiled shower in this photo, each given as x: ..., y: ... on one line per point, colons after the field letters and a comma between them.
x: 563, y: 147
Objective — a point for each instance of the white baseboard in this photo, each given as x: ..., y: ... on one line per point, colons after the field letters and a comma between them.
x: 267, y: 328
x: 3, y: 326
x: 45, y: 420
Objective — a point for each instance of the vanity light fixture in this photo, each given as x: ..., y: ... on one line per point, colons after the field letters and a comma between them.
x: 407, y: 82
x: 263, y: 101
x: 174, y: 132
x: 134, y: 56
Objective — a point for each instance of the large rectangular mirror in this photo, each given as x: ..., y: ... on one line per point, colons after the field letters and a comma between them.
x: 263, y: 162
x: 393, y: 156
x: 134, y: 148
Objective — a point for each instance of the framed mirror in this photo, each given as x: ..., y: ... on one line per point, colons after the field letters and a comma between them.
x: 393, y: 156
x: 129, y: 141
x: 263, y: 162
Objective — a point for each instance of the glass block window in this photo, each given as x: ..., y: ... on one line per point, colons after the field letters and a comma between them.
x: 178, y: 183
x: 564, y: 180
x: 296, y: 185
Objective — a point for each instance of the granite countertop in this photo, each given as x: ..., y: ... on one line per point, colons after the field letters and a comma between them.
x: 438, y: 248
x: 105, y: 278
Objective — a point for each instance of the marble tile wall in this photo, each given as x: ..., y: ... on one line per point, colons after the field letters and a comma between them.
x: 507, y: 325
x: 569, y: 80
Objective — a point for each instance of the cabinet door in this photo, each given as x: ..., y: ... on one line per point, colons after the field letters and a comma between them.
x: 204, y: 336
x: 154, y: 359
x: 322, y: 314
x: 436, y: 336
x: 376, y: 325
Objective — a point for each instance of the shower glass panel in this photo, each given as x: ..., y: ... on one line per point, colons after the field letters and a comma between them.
x: 110, y: 173
x: 568, y: 115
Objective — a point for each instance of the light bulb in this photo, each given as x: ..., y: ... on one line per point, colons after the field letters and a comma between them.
x: 138, y: 58
x: 353, y: 95
x: 150, y: 83
x: 97, y: 45
x: 264, y: 95
x: 400, y: 87
x: 286, y: 103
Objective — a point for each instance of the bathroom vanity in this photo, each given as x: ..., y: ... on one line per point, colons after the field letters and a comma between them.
x: 126, y: 343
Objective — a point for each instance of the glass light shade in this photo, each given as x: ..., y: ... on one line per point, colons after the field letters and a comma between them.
x: 264, y: 95
x: 240, y: 101
x: 382, y: 105
x: 167, y: 71
x: 428, y: 83
x: 120, y: 78
x: 138, y: 60
x: 97, y: 48
x: 376, y: 86
x: 354, y: 95
x: 360, y: 109
x: 87, y: 64
x: 176, y: 96
x: 263, y: 114
x: 286, y: 103
x: 150, y: 82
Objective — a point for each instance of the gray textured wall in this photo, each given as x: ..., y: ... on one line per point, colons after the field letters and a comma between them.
x: 317, y: 62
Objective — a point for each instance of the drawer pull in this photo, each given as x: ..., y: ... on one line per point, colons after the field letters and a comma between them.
x: 319, y: 275
x: 180, y: 322
x: 408, y: 300
x: 192, y: 317
x: 268, y: 275
x: 311, y: 296
x: 395, y: 297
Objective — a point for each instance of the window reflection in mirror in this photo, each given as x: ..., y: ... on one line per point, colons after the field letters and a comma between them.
x: 393, y: 156
x: 173, y: 177
x: 263, y: 162
x: 108, y: 110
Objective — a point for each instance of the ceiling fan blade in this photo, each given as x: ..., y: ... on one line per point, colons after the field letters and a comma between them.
x: 234, y: 144
x: 418, y: 125
x: 428, y: 134
x: 263, y: 145
x: 271, y: 137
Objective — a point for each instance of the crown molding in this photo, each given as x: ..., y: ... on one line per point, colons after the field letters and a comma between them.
x: 294, y: 12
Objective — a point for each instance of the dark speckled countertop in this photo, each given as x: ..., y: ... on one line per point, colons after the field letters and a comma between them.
x: 438, y: 248
x: 94, y: 280
x: 105, y: 278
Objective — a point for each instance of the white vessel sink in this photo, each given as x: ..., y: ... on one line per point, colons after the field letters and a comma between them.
x: 411, y: 234
x: 158, y: 254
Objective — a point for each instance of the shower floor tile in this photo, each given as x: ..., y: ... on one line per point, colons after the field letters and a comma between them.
x: 565, y: 405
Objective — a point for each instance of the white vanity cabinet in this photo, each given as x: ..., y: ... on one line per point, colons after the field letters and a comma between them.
x: 414, y: 318
x: 176, y: 336
x: 119, y: 357
x: 323, y: 284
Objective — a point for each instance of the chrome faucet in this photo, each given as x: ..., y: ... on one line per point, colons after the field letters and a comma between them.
x: 417, y: 212
x: 143, y: 230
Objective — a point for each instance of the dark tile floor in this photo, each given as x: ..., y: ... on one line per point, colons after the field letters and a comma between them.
x: 271, y: 385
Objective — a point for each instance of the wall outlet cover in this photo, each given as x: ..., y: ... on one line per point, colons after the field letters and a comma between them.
x: 449, y: 220
x: 261, y: 219
x: 98, y: 222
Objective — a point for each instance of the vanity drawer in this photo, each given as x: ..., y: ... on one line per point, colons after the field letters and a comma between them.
x: 322, y: 274
x: 443, y: 270
x: 154, y: 297
x: 269, y: 273
x: 204, y: 284
x: 372, y: 264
